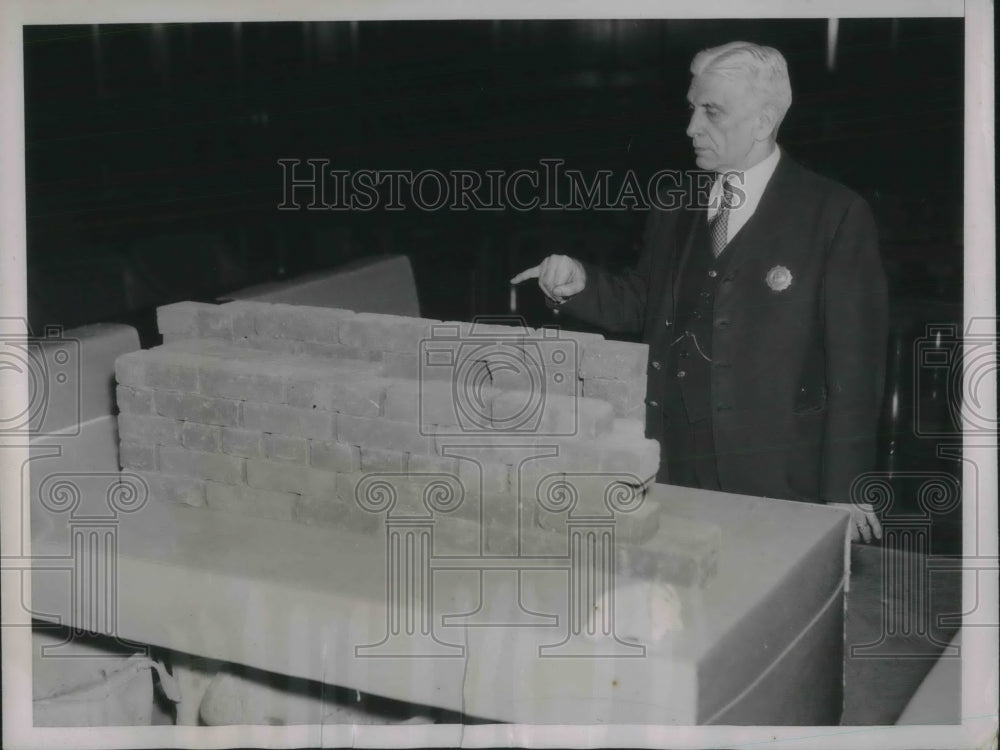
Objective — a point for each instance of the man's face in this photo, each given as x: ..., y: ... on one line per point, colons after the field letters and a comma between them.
x: 724, y: 120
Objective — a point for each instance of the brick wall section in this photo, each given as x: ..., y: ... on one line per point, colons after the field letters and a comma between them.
x: 279, y: 411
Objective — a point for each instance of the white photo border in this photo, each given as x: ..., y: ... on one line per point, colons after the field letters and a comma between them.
x: 980, y: 652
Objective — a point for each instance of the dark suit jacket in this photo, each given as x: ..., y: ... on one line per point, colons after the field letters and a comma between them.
x: 797, y: 375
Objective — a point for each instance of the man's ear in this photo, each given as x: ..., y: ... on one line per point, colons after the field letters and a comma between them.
x: 767, y: 123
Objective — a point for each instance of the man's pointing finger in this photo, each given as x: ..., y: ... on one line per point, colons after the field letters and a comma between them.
x: 531, y: 273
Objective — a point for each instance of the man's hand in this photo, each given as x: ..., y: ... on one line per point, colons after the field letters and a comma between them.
x: 559, y: 277
x: 864, y: 523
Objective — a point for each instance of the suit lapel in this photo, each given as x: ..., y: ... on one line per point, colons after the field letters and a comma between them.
x: 685, y: 230
x: 766, y: 221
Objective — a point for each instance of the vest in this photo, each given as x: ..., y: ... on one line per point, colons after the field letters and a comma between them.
x: 690, y: 368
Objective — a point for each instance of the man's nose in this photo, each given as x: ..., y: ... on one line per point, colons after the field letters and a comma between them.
x: 694, y: 125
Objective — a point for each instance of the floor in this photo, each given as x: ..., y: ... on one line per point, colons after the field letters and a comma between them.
x: 894, y: 632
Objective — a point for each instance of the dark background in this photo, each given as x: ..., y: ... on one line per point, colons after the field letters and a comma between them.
x: 152, y: 153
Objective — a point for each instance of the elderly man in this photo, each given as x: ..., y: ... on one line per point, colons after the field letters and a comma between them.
x: 765, y: 308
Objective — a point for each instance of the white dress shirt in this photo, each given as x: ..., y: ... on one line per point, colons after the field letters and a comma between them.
x: 751, y: 184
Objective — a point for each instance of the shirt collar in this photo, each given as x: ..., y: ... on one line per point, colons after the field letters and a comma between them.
x: 750, y: 182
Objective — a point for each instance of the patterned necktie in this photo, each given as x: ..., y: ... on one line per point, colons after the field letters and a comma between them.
x: 719, y: 227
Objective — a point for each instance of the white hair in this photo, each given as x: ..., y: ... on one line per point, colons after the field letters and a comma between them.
x: 763, y: 68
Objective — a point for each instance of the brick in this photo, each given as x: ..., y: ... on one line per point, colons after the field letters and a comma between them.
x: 192, y: 407
x: 303, y: 368
x: 544, y: 475
x: 249, y: 381
x: 553, y: 331
x: 158, y: 368
x: 286, y: 448
x: 245, y: 443
x: 199, y: 346
x: 302, y: 323
x: 493, y: 448
x: 557, y: 355
x: 188, y: 463
x: 516, y: 412
x: 273, y: 475
x: 179, y: 319
x: 422, y: 471
x: 174, y: 489
x: 594, y: 417
x: 630, y: 428
x: 436, y: 402
x: 637, y: 413
x: 321, y: 484
x: 402, y: 400
x: 506, y: 353
x: 536, y: 374
x: 640, y: 458
x: 134, y: 400
x: 467, y: 404
x: 410, y: 495
x: 496, y: 326
x: 387, y: 333
x: 384, y: 434
x: 334, y: 456
x: 172, y: 371
x: 348, y: 394
x: 400, y: 365
x: 137, y: 456
x: 404, y: 494
x: 594, y: 490
x: 468, y: 408
x: 511, y: 379
x: 273, y: 345
x: 377, y: 459
x: 347, y: 486
x: 585, y: 418
x: 278, y: 506
x: 233, y: 320
x: 201, y: 437
x: 623, y: 395
x: 453, y: 357
x: 611, y: 496
x: 288, y: 420
x: 180, y: 375
x: 130, y: 369
x: 480, y: 478
x: 323, y: 510
x: 522, y: 411
x: 213, y: 322
x: 338, y: 352
x: 419, y: 463
x: 149, y: 430
x: 560, y: 385
x: 618, y: 452
x: 614, y: 360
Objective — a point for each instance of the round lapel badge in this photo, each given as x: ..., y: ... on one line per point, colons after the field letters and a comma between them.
x: 779, y: 278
